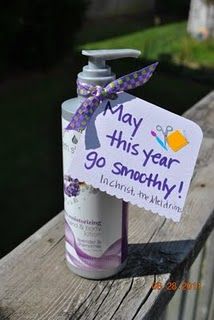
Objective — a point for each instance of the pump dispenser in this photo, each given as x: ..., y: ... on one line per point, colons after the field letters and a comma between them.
x: 97, y: 72
x: 95, y: 223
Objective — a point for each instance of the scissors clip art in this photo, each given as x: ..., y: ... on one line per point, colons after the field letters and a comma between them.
x: 164, y: 132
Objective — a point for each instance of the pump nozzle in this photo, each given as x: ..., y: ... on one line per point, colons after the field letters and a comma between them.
x: 97, y: 72
x: 98, y: 57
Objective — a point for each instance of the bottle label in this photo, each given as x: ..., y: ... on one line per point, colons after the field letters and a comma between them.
x: 95, y: 223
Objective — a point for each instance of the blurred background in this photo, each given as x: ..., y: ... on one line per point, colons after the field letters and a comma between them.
x: 40, y: 56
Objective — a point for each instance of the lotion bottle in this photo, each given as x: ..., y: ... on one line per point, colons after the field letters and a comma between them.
x: 96, y: 223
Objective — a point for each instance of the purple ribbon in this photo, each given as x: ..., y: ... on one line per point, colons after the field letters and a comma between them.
x: 96, y: 94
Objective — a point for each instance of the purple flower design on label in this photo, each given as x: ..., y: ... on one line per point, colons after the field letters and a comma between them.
x: 71, y: 186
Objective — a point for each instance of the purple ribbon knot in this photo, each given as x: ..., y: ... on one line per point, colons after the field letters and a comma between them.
x: 96, y: 94
x: 97, y: 91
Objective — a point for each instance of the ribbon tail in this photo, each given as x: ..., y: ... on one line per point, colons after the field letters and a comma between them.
x: 81, y: 117
x: 132, y: 80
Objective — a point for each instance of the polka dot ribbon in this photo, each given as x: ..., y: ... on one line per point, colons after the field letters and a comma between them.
x: 96, y: 94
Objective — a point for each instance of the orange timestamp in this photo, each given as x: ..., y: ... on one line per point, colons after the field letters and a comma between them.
x: 173, y: 286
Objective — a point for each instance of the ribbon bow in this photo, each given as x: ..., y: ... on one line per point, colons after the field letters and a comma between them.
x: 96, y: 94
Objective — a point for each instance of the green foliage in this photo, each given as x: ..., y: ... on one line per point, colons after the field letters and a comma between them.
x: 38, y: 32
x: 167, y: 42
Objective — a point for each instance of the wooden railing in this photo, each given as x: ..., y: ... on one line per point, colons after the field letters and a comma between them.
x: 194, y: 299
x: 35, y: 283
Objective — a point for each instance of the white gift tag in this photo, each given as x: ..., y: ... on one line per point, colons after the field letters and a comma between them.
x: 139, y: 152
